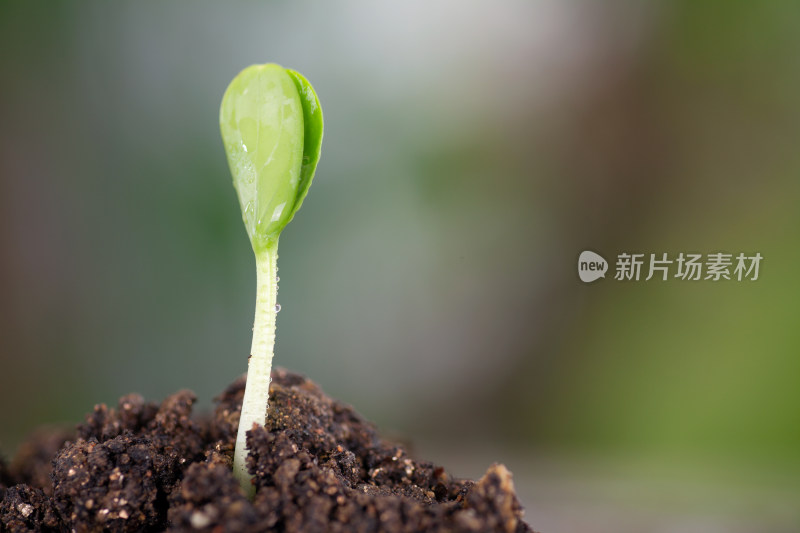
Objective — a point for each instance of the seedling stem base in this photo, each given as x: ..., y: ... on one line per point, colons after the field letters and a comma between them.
x: 256, y: 393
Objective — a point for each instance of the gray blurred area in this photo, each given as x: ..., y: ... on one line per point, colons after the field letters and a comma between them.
x: 471, y: 152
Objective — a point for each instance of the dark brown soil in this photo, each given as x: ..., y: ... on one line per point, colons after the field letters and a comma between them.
x: 318, y: 467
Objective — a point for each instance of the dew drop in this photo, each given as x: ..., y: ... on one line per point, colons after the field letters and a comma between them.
x: 277, y: 308
x: 277, y: 279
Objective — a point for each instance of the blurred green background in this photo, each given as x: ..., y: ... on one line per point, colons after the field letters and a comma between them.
x: 472, y: 151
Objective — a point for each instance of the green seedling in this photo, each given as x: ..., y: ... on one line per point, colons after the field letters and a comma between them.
x: 271, y: 124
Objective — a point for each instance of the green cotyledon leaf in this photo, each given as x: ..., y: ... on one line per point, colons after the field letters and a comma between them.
x: 265, y: 114
x: 312, y: 134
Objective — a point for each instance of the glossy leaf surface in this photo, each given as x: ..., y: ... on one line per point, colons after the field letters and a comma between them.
x: 312, y: 134
x: 265, y: 114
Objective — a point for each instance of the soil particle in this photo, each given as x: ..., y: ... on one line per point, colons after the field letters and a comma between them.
x: 317, y: 465
x: 132, y: 414
x: 33, y: 463
x: 24, y: 508
x: 107, y: 486
x: 210, y: 499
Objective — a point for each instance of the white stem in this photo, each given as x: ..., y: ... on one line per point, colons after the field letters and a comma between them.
x: 256, y: 391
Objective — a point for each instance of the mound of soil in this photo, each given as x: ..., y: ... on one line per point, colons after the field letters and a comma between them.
x: 318, y: 466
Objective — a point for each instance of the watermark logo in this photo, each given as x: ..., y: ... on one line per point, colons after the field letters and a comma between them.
x: 591, y: 266
x: 718, y: 266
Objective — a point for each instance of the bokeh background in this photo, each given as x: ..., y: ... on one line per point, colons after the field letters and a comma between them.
x: 472, y: 150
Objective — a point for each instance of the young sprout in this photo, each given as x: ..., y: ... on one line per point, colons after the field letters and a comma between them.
x: 271, y: 124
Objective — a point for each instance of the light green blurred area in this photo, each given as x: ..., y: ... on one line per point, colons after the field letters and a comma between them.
x: 471, y: 153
